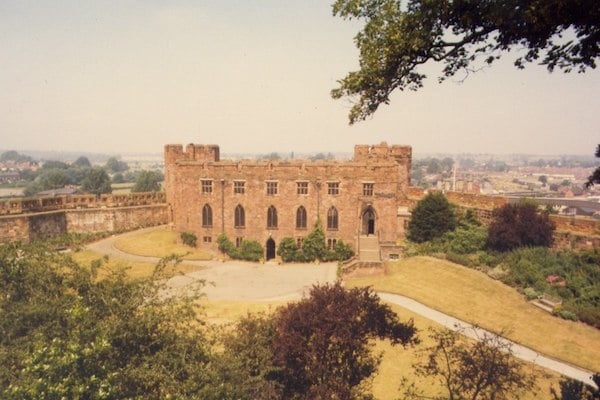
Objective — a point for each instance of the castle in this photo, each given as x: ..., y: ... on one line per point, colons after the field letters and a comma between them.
x: 361, y: 201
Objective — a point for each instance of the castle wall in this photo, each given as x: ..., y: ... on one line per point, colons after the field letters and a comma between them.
x: 386, y: 168
x: 26, y: 227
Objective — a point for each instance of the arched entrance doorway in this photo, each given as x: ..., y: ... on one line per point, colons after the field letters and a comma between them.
x: 270, y: 249
x: 368, y: 221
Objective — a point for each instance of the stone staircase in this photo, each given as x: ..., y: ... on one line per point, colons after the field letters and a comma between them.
x: 369, y: 249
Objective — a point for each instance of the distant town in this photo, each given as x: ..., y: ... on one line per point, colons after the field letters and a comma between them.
x: 558, y: 182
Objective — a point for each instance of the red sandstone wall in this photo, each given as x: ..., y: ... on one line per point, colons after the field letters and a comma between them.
x: 26, y: 227
x: 387, y: 167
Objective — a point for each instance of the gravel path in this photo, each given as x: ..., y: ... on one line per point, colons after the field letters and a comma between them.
x: 234, y: 280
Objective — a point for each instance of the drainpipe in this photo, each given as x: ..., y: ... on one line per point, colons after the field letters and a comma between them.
x: 222, y: 205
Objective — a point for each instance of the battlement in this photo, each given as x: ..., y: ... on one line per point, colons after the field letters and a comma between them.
x: 193, y: 152
x: 382, y: 153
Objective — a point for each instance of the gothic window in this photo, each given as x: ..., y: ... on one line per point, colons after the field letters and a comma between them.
x: 207, y: 217
x: 271, y: 188
x: 206, y: 185
x: 239, y: 187
x: 272, y: 217
x: 302, y: 187
x: 333, y: 188
x: 238, y: 241
x: 301, y: 218
x: 367, y: 189
x: 240, y: 217
x: 299, y: 242
x: 332, y: 219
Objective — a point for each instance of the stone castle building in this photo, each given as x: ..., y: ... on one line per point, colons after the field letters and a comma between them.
x: 361, y: 201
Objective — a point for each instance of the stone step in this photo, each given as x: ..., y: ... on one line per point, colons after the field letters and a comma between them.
x: 369, y: 255
x: 543, y: 306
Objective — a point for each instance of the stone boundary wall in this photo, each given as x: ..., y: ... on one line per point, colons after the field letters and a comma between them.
x: 571, y: 233
x: 27, y: 227
x: 77, y: 201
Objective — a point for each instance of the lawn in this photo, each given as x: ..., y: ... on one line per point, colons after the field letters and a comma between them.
x: 134, y: 269
x: 160, y: 242
x: 472, y: 296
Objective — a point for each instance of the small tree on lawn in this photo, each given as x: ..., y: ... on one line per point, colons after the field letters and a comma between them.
x: 431, y: 218
x: 484, y: 370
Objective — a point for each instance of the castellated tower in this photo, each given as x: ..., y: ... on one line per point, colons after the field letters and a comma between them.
x: 357, y: 201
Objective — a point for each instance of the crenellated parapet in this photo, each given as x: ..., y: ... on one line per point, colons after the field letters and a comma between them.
x: 192, y: 152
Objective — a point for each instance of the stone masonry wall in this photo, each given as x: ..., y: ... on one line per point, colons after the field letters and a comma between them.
x: 386, y: 167
x: 26, y: 227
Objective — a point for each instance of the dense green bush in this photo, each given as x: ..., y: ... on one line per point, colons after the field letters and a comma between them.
x: 287, y: 249
x: 519, y: 225
x: 431, y: 218
x: 188, y: 238
x: 249, y: 250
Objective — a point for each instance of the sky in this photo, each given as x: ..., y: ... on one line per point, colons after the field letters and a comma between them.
x: 124, y: 76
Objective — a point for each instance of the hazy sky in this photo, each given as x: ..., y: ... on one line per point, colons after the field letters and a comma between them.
x: 126, y: 76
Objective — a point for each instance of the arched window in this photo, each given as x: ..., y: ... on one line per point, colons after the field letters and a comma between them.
x: 301, y: 218
x: 207, y: 216
x: 332, y: 219
x: 272, y: 217
x: 240, y: 217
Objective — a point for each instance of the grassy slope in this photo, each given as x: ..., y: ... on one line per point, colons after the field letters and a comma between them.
x: 474, y: 297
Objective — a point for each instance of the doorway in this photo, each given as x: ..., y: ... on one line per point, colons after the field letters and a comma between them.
x: 368, y: 221
x: 270, y: 249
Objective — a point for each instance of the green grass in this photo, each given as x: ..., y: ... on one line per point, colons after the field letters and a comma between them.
x: 476, y: 298
x: 160, y: 242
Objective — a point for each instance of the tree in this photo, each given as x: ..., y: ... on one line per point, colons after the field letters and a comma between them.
x: 82, y: 162
x: 595, y: 177
x: 91, y: 332
x: 148, y: 181
x: 114, y: 165
x: 246, y: 368
x: 47, y: 180
x: 543, y: 179
x: 431, y: 218
x: 519, y: 225
x: 397, y: 40
x: 12, y: 155
x: 323, y: 343
x: 484, y: 370
x: 96, y: 181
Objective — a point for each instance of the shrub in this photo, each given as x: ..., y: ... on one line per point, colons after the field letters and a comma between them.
x: 287, y: 249
x: 314, y: 245
x: 519, y: 225
x: 188, y: 238
x: 250, y: 250
x: 465, y: 239
x: 431, y: 218
x: 566, y: 314
x: 530, y: 293
x: 225, y: 245
x: 342, y: 251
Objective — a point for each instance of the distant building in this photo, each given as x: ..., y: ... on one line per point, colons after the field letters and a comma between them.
x: 357, y: 200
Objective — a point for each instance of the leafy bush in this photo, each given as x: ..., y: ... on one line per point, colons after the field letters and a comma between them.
x: 431, y: 218
x: 530, y: 293
x: 519, y: 225
x: 343, y: 251
x: 465, y: 239
x: 565, y: 314
x: 287, y: 249
x: 314, y: 247
x: 249, y: 250
x: 225, y: 245
x: 188, y: 238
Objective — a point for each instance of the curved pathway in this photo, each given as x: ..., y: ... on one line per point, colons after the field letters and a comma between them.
x: 235, y: 280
